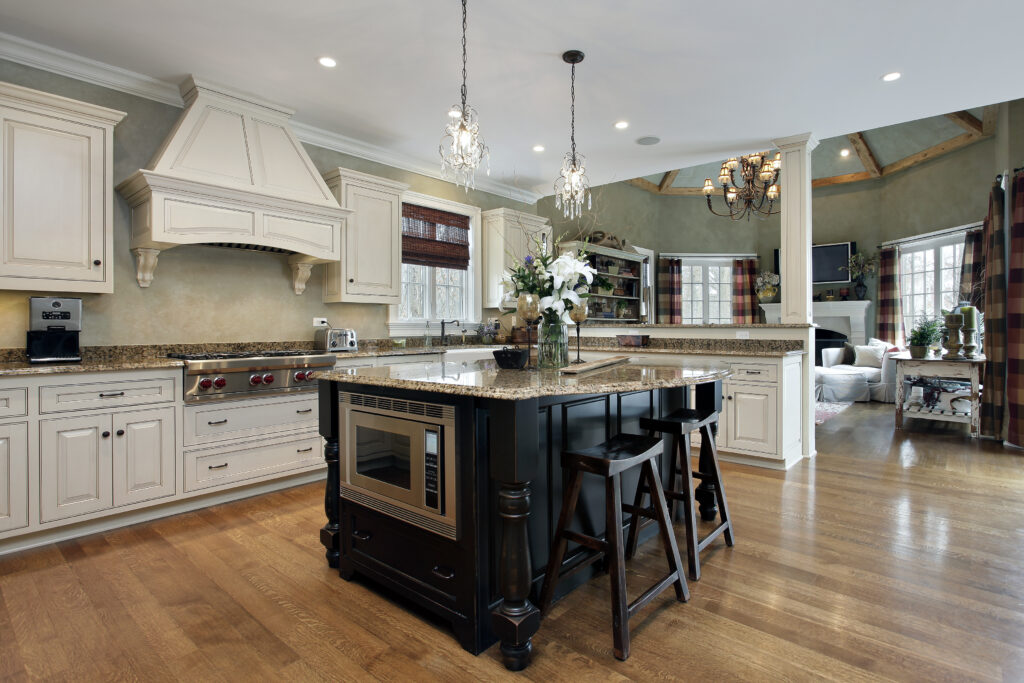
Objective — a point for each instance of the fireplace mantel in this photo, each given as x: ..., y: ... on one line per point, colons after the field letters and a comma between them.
x: 848, y: 317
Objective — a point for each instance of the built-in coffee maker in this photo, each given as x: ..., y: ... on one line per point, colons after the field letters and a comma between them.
x: 53, y: 329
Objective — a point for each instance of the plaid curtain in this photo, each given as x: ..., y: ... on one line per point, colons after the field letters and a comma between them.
x: 744, y: 297
x: 972, y: 269
x: 1015, y: 317
x: 890, y: 309
x: 670, y: 290
x: 993, y: 396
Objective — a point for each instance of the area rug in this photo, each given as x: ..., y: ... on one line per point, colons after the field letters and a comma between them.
x: 826, y: 410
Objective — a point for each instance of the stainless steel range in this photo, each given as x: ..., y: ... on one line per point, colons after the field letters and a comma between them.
x: 237, y: 375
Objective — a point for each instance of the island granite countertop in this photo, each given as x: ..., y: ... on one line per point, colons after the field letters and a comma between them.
x: 484, y: 379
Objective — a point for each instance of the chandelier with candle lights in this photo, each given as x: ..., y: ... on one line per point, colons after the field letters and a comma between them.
x: 462, y: 147
x: 758, y: 193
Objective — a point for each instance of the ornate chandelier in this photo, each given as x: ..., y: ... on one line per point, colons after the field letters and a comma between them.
x: 760, y: 184
x: 572, y: 187
x: 462, y: 147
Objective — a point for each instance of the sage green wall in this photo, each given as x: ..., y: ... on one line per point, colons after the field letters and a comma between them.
x: 202, y: 294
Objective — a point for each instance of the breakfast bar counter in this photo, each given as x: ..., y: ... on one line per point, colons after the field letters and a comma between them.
x: 444, y: 479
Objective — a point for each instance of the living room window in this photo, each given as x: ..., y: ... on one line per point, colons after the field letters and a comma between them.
x: 930, y: 277
x: 440, y: 261
x: 707, y: 289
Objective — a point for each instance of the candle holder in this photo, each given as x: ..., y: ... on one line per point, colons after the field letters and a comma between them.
x: 970, y: 342
x: 578, y: 314
x: 528, y: 309
x: 954, y: 321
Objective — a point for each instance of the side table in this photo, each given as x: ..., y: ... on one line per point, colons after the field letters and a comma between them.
x: 963, y: 368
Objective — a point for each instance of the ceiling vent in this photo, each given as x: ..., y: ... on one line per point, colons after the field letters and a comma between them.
x: 233, y: 173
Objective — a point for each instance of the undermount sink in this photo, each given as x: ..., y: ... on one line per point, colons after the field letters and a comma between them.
x: 468, y: 354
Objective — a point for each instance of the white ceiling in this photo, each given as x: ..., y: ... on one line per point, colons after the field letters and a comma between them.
x: 709, y: 80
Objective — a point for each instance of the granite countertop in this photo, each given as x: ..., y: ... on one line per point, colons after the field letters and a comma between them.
x: 16, y: 368
x: 597, y: 322
x: 630, y: 350
x: 484, y: 379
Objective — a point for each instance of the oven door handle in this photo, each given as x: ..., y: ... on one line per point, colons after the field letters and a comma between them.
x: 361, y: 535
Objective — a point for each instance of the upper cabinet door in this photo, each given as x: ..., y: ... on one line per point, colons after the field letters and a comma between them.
x: 56, y: 199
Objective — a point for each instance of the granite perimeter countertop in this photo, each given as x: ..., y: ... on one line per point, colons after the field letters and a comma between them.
x: 484, y: 379
x: 598, y: 322
x: 16, y: 368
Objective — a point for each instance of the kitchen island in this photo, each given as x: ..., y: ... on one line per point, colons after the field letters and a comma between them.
x: 444, y: 479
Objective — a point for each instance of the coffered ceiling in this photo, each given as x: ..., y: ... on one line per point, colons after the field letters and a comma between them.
x: 709, y: 80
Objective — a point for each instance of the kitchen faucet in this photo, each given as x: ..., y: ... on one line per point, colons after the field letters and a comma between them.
x: 444, y: 336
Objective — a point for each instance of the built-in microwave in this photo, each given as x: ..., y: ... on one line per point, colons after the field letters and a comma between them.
x: 398, y: 458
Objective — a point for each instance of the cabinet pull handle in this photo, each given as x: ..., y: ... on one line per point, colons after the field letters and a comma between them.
x: 351, y: 279
x: 97, y: 262
x: 361, y: 535
x: 113, y: 395
x: 105, y: 435
x: 730, y: 398
x: 217, y: 467
x: 753, y: 372
x: 304, y: 450
x: 443, y: 573
x: 303, y: 412
x: 218, y: 422
x: 120, y: 432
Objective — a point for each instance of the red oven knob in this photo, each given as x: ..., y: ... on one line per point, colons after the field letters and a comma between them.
x: 268, y: 378
x: 300, y: 376
x: 220, y: 382
x: 205, y: 383
x: 255, y: 379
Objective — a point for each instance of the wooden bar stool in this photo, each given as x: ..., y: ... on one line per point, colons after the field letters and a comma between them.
x: 609, y: 460
x: 680, y: 424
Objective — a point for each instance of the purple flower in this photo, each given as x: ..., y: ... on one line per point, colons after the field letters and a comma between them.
x: 528, y: 260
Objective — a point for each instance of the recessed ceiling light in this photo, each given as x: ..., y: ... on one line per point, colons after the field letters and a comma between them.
x: 844, y: 152
x: 621, y: 125
x: 891, y: 76
x: 648, y: 140
x: 538, y: 148
x: 328, y: 62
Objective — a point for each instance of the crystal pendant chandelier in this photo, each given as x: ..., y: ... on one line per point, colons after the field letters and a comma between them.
x: 462, y: 147
x: 572, y: 187
x: 760, y: 185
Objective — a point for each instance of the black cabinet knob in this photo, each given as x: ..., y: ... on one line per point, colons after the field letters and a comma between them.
x: 351, y: 279
x: 730, y: 398
x: 97, y: 262
x: 120, y: 432
x: 105, y: 435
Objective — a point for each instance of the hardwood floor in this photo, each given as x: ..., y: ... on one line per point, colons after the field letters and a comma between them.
x: 886, y: 557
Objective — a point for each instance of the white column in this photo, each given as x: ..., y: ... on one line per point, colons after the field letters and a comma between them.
x: 795, y: 261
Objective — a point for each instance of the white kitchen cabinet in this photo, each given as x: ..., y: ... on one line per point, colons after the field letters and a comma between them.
x: 75, y: 468
x: 144, y: 454
x: 508, y: 236
x: 13, y: 476
x: 752, y: 411
x: 370, y: 268
x: 56, y: 199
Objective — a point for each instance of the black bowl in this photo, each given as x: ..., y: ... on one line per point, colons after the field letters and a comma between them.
x: 511, y: 359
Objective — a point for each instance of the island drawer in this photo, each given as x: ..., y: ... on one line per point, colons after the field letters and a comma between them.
x: 213, y: 467
x: 755, y: 372
x: 13, y: 402
x: 242, y: 419
x: 66, y: 397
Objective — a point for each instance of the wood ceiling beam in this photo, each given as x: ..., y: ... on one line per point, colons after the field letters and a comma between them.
x: 684, y: 192
x: 932, y: 152
x: 644, y: 184
x: 966, y: 120
x: 842, y: 179
x: 988, y: 119
x: 867, y: 157
x: 667, y: 181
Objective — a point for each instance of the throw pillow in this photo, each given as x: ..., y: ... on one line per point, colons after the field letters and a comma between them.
x: 848, y: 355
x: 878, y: 342
x: 869, y: 356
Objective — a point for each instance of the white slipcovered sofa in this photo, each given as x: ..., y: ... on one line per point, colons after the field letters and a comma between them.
x: 839, y: 379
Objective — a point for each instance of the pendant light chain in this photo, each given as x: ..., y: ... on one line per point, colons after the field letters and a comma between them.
x: 463, y: 58
x: 572, y: 112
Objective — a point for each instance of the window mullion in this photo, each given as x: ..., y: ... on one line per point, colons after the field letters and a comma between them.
x: 707, y: 293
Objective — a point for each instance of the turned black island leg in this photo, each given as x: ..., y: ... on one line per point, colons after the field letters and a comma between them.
x: 513, y: 458
x: 330, y: 534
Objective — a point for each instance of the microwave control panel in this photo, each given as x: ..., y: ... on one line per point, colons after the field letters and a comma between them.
x: 431, y: 450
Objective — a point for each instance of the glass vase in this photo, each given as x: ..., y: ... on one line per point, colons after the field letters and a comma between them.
x: 552, y: 345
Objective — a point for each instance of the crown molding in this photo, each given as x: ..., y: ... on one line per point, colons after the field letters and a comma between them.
x: 51, y: 59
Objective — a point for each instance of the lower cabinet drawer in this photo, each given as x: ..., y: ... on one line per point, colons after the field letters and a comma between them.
x: 754, y: 372
x: 63, y: 397
x: 13, y: 402
x: 238, y: 462
x: 242, y: 419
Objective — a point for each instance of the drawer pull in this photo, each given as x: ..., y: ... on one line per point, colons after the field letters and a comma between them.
x: 304, y: 450
x: 303, y: 412
x: 753, y: 372
x: 443, y: 573
x: 217, y: 467
x: 218, y: 422
x: 361, y: 535
x: 114, y: 395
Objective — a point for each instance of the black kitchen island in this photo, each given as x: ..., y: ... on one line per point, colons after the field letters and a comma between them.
x: 444, y: 479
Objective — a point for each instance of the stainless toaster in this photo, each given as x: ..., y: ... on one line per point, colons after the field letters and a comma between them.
x: 336, y: 339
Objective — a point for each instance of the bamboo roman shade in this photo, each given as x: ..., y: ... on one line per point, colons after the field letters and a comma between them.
x: 431, y: 237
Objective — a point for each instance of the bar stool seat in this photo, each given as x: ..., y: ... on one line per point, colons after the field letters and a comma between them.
x: 609, y: 460
x: 680, y: 424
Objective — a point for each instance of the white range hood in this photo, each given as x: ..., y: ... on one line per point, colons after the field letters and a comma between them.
x: 233, y: 174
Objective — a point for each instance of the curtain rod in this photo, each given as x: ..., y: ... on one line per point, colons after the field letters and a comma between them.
x: 970, y: 227
x: 667, y: 254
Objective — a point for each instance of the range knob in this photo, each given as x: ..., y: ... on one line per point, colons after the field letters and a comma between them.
x: 300, y: 376
x: 220, y: 382
x: 255, y: 379
x: 268, y: 378
x: 205, y: 383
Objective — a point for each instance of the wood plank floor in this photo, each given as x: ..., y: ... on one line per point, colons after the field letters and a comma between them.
x: 887, y: 557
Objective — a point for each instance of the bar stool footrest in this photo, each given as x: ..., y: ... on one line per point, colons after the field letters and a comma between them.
x: 706, y: 541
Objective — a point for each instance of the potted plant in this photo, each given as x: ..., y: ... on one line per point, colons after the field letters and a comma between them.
x: 766, y: 285
x: 860, y: 267
x: 925, y: 333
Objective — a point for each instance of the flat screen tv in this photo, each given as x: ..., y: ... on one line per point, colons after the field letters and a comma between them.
x: 825, y: 262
